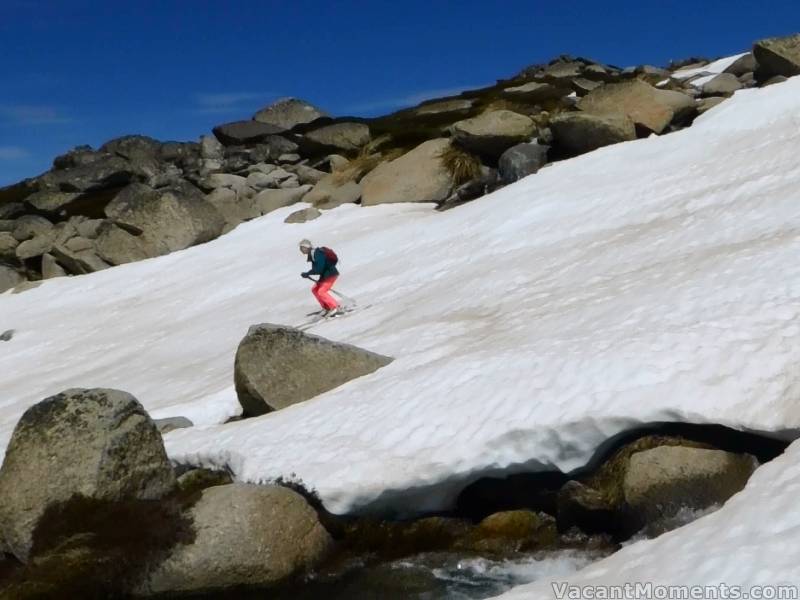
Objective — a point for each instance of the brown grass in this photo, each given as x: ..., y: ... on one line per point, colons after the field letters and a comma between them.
x: 462, y: 165
x: 368, y: 158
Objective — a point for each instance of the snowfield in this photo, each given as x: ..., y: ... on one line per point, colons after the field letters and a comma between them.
x: 656, y: 280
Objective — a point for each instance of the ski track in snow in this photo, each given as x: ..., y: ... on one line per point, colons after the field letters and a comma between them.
x: 656, y: 280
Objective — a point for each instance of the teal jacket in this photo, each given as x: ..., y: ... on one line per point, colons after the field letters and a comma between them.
x: 320, y: 265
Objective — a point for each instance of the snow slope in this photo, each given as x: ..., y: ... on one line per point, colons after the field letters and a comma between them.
x: 655, y: 280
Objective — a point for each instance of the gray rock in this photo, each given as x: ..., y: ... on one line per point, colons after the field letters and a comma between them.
x: 25, y: 286
x: 89, y: 228
x: 108, y: 171
x: 268, y: 200
x: 30, y: 226
x: 337, y: 162
x: 521, y: 160
x: 9, y: 278
x: 7, y: 335
x: 339, y: 137
x: 211, y: 148
x: 536, y: 92
x: 724, y: 84
x: 98, y: 443
x: 278, y: 366
x: 117, y: 246
x: 78, y: 156
x: 451, y: 109
x: 7, y: 225
x: 583, y: 86
x: 235, y: 207
x: 778, y: 56
x: 214, y: 181
x: 492, y: 133
x: 577, y: 133
x: 246, y: 535
x: 171, y: 423
x: 290, y: 182
x: 11, y: 210
x: 77, y: 244
x: 743, y: 65
x: 306, y: 174
x: 330, y: 193
x: 33, y: 247
x: 417, y: 176
x: 262, y: 181
x: 584, y: 507
x: 51, y: 268
x: 646, y: 106
x: 303, y: 215
x: 52, y: 201
x: 774, y: 80
x: 287, y: 113
x: 169, y: 219
x: 707, y: 104
x: 245, y: 132
x: 289, y: 158
x: 78, y: 263
x: 8, y: 246
x: 661, y: 481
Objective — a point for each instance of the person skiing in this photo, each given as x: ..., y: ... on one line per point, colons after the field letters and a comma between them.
x: 323, y: 263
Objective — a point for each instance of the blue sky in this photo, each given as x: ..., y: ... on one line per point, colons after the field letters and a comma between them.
x: 82, y: 72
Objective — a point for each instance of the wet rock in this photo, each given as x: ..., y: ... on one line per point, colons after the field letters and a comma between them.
x: 587, y: 509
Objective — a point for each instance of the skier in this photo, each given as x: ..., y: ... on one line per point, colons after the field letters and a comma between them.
x: 323, y: 263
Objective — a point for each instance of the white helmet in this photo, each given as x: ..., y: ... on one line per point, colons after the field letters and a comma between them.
x: 306, y: 244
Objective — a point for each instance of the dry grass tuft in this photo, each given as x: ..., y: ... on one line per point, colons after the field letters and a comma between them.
x: 462, y: 165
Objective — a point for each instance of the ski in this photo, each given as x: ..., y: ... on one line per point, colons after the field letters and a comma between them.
x: 321, y: 318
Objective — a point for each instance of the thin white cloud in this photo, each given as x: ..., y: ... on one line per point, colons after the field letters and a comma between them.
x: 29, y: 114
x: 412, y: 99
x: 226, y: 102
x: 13, y: 153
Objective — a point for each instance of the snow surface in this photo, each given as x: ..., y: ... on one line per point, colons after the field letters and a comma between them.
x: 656, y: 280
x: 713, y: 68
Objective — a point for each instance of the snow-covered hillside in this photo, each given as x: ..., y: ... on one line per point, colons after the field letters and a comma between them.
x: 656, y: 280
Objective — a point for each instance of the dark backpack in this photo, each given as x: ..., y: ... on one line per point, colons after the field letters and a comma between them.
x: 330, y: 256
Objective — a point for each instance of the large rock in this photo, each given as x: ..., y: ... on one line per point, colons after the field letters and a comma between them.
x: 493, y: 132
x: 78, y: 156
x: 577, y: 133
x: 98, y: 443
x: 246, y: 535
x: 417, y: 176
x: 269, y: 200
x: 661, y: 481
x: 646, y: 106
x: 234, y: 206
x: 108, y: 171
x: 52, y: 201
x: 339, y: 137
x: 287, y: 113
x: 117, y: 246
x: 279, y: 366
x: 169, y: 219
x: 521, y: 160
x: 51, y: 268
x: 8, y: 246
x: 778, y: 56
x: 723, y: 84
x: 303, y: 215
x: 9, y: 278
x: 30, y: 226
x: 245, y: 132
x: 536, y: 92
x: 78, y: 262
x: 330, y: 192
x: 585, y: 508
x: 34, y: 247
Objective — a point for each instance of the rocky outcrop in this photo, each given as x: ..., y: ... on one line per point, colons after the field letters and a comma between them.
x: 646, y: 106
x: 520, y: 161
x: 578, y: 133
x: 246, y: 535
x: 166, y: 219
x: 287, y: 113
x: 245, y: 132
x: 96, y: 443
x: 347, y: 137
x: 491, y: 133
x: 661, y: 481
x: 417, y: 176
x: 778, y: 57
x: 279, y: 366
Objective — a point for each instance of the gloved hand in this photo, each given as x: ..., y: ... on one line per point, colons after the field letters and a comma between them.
x: 305, y: 275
